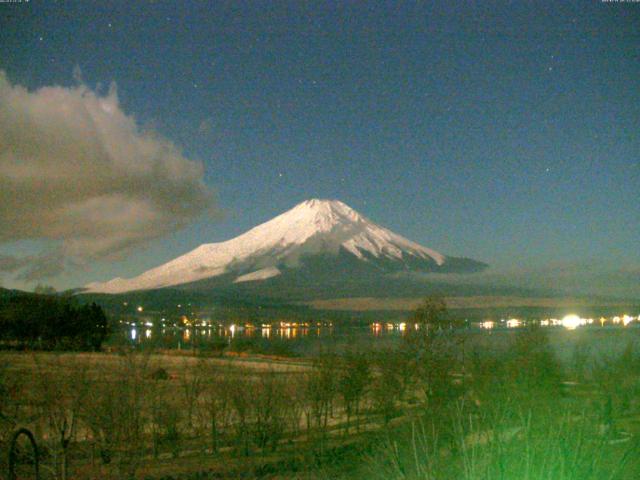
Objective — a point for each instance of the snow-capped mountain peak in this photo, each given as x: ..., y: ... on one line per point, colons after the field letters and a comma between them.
x: 312, y: 227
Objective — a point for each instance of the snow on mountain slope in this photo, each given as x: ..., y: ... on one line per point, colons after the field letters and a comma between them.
x: 313, y: 226
x: 261, y: 274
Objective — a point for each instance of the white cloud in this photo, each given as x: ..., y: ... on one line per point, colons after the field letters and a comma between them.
x: 76, y: 170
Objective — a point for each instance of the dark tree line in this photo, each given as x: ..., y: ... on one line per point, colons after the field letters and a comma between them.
x: 51, y: 322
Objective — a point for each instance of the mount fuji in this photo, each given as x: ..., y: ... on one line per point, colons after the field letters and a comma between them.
x: 316, y: 241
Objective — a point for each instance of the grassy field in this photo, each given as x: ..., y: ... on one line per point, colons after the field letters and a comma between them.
x: 485, y: 406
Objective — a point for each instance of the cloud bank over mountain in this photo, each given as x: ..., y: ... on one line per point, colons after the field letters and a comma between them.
x: 78, y: 173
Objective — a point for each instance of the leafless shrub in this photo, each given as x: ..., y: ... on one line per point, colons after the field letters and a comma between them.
x: 216, y: 412
x: 353, y: 382
x: 269, y: 406
x: 115, y: 411
x: 61, y: 392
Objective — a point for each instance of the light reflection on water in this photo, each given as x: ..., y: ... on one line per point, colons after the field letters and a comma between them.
x: 189, y: 334
x: 292, y: 331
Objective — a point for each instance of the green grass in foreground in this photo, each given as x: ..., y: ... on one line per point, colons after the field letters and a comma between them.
x: 433, y: 408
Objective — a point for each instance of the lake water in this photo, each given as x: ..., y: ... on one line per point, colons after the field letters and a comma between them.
x: 597, y: 337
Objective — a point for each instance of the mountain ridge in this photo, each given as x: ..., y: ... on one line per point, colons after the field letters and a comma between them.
x: 290, y: 241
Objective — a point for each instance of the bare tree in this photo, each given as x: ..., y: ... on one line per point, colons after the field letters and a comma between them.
x: 390, y: 382
x: 269, y: 410
x: 116, y: 413
x: 240, y: 406
x: 216, y: 412
x: 61, y: 392
x: 192, y: 385
x: 321, y: 388
x: 353, y: 381
x: 432, y: 348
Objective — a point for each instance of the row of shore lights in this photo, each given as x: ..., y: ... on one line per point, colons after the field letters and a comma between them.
x: 570, y: 322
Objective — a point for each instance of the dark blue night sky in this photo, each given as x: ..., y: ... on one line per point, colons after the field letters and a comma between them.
x: 501, y: 131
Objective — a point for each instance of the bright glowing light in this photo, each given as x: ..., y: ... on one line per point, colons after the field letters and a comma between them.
x: 232, y: 329
x: 402, y: 326
x: 134, y: 334
x: 140, y: 309
x: 513, y: 322
x: 488, y: 324
x: 571, y: 322
x: 376, y: 327
x: 147, y: 333
x: 626, y: 320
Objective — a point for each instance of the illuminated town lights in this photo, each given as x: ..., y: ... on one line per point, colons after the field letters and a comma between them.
x: 140, y: 309
x: 488, y: 324
x: 232, y: 329
x: 402, y: 327
x: 544, y: 323
x: 626, y: 320
x: 571, y: 322
x: 513, y: 323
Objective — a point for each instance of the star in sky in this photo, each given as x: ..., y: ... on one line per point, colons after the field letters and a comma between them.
x: 462, y: 104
